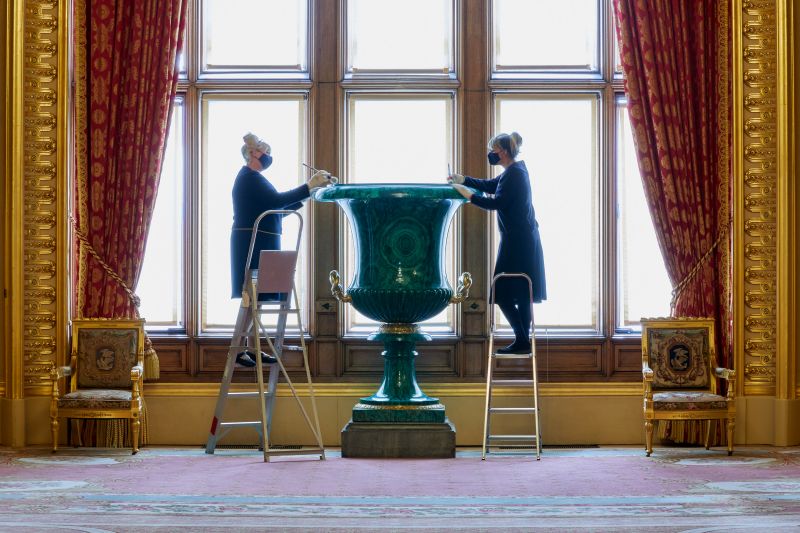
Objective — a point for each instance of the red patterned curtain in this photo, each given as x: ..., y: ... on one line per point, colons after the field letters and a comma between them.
x: 126, y: 78
x: 125, y: 81
x: 675, y: 59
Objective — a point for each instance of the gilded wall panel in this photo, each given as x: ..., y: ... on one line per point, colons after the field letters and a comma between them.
x: 40, y: 190
x: 758, y: 126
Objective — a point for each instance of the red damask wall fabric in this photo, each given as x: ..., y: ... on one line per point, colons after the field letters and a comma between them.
x: 675, y: 57
x: 129, y: 80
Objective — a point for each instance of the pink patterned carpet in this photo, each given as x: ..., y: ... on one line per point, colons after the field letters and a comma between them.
x: 598, y: 489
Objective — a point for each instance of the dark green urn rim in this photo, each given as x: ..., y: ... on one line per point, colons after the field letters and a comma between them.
x: 432, y: 191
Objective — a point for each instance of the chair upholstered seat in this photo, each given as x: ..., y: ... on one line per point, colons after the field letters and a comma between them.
x: 688, y: 401
x: 96, y: 399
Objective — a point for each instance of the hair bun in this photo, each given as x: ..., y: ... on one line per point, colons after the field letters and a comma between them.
x: 250, y: 140
x: 517, y: 138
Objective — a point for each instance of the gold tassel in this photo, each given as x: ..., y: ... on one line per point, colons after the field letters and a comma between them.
x: 152, y: 370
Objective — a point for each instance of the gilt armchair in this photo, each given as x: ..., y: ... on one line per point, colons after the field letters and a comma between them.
x: 679, y: 370
x: 105, y: 374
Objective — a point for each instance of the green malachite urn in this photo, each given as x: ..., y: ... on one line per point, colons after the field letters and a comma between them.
x: 399, y: 231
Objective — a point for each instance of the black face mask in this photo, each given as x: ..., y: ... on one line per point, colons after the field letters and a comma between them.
x: 493, y: 158
x: 265, y: 160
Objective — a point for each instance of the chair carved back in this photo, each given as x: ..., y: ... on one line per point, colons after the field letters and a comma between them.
x: 681, y: 357
x: 104, y: 357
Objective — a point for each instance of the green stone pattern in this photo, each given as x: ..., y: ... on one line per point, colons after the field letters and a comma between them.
x: 399, y: 234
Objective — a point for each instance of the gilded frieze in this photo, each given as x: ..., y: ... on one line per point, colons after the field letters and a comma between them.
x: 759, y: 192
x: 40, y: 190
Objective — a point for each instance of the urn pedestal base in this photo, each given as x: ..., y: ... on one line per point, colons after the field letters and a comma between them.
x: 395, y: 440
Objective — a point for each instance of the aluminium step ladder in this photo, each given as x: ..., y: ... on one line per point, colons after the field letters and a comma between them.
x: 275, y: 274
x: 507, y: 443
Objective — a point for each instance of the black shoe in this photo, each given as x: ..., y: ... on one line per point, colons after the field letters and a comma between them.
x: 244, y: 359
x: 516, y: 348
x: 266, y: 359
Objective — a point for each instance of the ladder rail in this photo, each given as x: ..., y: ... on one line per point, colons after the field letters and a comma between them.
x: 262, y: 405
x: 318, y: 432
x: 492, y: 358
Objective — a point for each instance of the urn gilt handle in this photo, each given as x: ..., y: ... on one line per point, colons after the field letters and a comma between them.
x: 336, y: 288
x: 462, y: 292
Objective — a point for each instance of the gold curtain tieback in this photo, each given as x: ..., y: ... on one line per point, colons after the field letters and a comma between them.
x: 676, y: 292
x: 85, y: 241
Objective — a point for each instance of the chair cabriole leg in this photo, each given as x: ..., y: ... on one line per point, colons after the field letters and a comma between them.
x: 730, y: 425
x: 54, y: 430
x: 135, y: 424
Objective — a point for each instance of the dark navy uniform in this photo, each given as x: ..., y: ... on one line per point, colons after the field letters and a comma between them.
x: 520, y: 246
x: 252, y: 195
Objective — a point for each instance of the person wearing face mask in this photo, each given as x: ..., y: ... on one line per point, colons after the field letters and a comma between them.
x: 520, y: 245
x: 252, y: 195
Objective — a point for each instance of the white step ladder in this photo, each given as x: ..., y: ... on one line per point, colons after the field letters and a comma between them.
x: 510, y: 444
x: 275, y: 274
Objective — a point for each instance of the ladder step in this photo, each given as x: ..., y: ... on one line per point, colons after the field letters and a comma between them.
x: 276, y: 311
x: 512, y: 355
x: 305, y: 451
x: 512, y: 410
x: 510, y: 450
x: 512, y: 383
x: 243, y: 424
x: 250, y: 394
x: 512, y: 437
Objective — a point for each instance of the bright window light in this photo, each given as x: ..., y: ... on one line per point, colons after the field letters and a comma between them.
x: 160, y: 286
x: 560, y: 149
x: 280, y: 121
x: 644, y: 286
x: 411, y: 35
x: 255, y: 33
x: 545, y: 34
